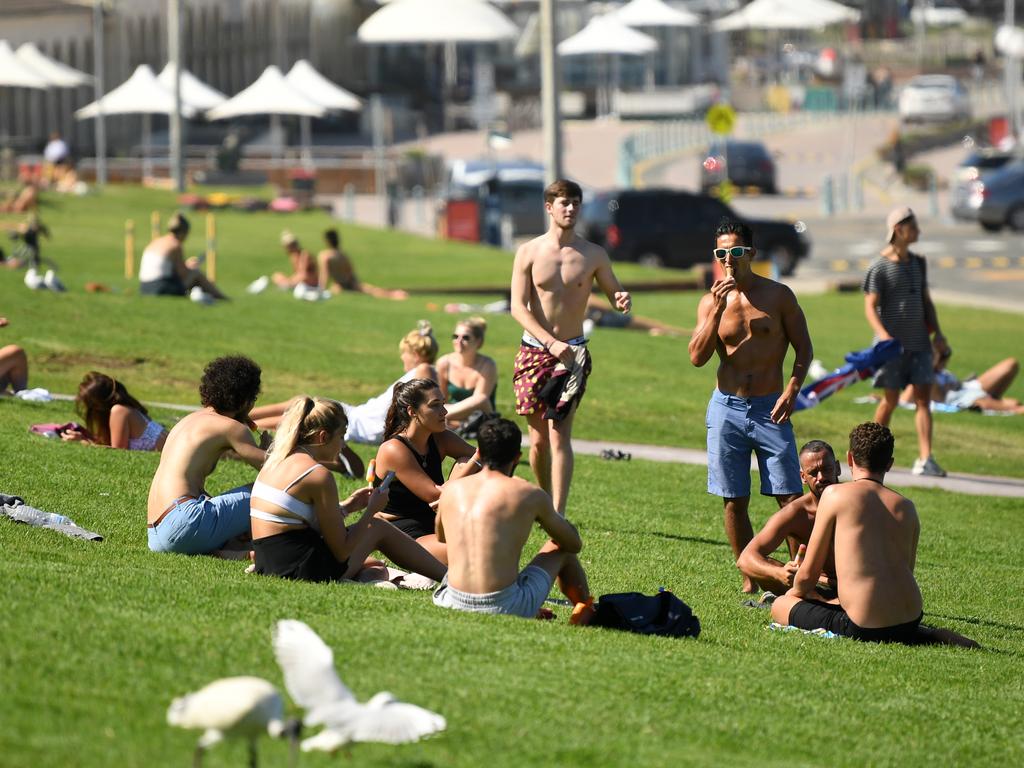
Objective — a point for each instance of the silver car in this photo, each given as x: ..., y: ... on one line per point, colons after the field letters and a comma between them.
x: 938, y: 98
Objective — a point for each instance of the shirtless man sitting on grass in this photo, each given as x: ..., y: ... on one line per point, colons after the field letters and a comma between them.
x: 873, y: 532
x: 486, y: 520
x: 182, y: 516
x: 793, y: 524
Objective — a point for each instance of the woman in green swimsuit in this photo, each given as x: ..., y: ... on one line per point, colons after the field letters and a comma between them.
x: 468, y: 378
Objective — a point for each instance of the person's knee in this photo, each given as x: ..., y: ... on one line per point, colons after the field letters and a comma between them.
x: 782, y: 607
x: 737, y: 505
x: 1013, y: 367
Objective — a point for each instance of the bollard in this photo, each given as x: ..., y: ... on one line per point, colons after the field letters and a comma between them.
x: 842, y: 192
x: 154, y: 225
x: 350, y: 202
x: 858, y: 192
x: 129, y: 249
x: 828, y: 204
x: 933, y: 195
x: 419, y: 208
x: 211, y: 247
x: 508, y: 241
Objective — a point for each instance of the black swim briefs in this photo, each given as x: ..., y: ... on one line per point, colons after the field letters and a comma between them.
x: 810, y: 614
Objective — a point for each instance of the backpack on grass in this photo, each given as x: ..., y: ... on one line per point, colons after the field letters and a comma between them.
x: 661, y: 614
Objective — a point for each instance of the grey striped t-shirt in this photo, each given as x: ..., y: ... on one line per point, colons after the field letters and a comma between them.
x: 900, y: 286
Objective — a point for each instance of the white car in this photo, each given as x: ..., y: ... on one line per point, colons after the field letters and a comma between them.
x: 938, y: 13
x: 934, y: 97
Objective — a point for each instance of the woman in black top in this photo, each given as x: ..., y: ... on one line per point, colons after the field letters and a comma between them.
x: 416, y: 442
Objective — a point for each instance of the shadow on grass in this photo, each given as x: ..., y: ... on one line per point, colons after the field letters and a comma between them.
x: 978, y: 622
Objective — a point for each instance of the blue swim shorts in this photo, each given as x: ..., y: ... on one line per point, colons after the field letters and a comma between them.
x: 739, y: 425
x: 908, y: 368
x: 195, y: 526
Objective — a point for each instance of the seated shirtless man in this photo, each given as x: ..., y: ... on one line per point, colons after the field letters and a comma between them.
x: 337, y: 273
x: 873, y: 532
x: 793, y: 524
x: 182, y: 516
x: 486, y: 519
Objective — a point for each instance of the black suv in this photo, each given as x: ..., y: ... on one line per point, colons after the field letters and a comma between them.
x: 671, y: 228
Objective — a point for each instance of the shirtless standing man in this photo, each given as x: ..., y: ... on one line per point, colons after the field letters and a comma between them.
x: 551, y: 282
x: 793, y: 524
x: 486, y: 520
x: 873, y: 532
x: 182, y: 516
x: 750, y: 321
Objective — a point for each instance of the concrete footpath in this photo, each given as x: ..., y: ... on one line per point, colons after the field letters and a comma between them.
x: 977, y: 485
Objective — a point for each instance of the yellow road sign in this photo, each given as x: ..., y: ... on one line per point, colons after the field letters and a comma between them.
x: 721, y: 119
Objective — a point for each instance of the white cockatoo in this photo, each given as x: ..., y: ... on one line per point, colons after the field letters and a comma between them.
x: 312, y: 681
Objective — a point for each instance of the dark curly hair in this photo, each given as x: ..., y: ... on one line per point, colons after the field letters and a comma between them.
x: 500, y: 441
x: 738, y: 228
x: 230, y: 385
x: 871, y: 445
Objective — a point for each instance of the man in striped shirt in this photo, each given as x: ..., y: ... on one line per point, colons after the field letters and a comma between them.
x: 897, y: 306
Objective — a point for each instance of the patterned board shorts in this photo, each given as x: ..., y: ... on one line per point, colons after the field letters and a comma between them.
x: 533, y: 367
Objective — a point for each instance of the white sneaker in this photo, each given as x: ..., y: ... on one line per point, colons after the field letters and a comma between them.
x: 928, y: 467
x: 259, y: 285
x: 51, y: 281
x: 306, y: 292
x: 33, y: 279
x: 199, y: 296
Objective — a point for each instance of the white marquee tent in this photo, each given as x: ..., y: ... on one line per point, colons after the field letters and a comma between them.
x: 54, y: 72
x: 788, y: 14
x: 15, y: 73
x: 194, y: 92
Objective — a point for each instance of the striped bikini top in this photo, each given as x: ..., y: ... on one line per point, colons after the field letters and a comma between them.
x: 301, y: 512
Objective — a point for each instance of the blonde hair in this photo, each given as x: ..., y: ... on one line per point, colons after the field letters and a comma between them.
x: 304, y: 418
x: 476, y: 325
x: 420, y: 342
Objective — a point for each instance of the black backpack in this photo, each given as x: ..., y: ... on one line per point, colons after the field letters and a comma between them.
x: 660, y: 614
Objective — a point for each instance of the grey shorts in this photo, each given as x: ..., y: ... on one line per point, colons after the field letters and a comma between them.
x: 908, y: 368
x: 523, y: 597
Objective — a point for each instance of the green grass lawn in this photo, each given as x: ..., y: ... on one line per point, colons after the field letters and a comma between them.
x: 97, y: 638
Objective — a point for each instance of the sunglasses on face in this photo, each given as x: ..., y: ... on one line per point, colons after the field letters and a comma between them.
x: 737, y: 252
x: 462, y: 336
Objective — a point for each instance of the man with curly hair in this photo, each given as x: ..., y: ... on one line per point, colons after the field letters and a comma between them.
x: 182, y: 516
x: 872, y: 532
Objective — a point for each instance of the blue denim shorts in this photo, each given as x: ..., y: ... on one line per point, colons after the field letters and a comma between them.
x: 908, y: 368
x: 198, y: 526
x: 739, y: 425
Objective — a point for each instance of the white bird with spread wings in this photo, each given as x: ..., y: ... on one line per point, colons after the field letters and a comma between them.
x: 312, y: 681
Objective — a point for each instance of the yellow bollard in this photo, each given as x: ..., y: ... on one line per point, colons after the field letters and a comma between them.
x: 129, y: 249
x: 154, y: 225
x: 211, y: 247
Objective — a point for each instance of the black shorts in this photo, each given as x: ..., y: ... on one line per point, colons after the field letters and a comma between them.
x: 413, y: 527
x: 810, y: 614
x: 300, y: 554
x: 164, y: 286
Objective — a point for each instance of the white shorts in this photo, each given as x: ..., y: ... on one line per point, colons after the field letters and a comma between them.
x: 523, y: 597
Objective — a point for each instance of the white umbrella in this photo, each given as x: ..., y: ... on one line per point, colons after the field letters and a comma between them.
x: 15, y: 73
x: 655, y: 13
x: 269, y: 94
x: 788, y: 14
x: 194, y: 91
x: 54, y: 72
x: 141, y: 94
x: 315, y: 87
x: 422, y: 21
x: 607, y: 36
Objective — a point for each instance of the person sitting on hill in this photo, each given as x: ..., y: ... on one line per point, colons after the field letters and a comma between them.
x: 418, y: 351
x: 298, y: 524
x: 337, y: 273
x: 113, y: 417
x: 163, y: 270
x: 872, y: 531
x: 986, y: 392
x: 303, y: 266
x: 182, y: 517
x: 24, y: 200
x: 416, y: 443
x: 793, y: 524
x: 485, y: 521
x: 13, y: 366
x: 468, y: 379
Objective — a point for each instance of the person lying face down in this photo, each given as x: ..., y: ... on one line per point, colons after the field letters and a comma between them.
x: 793, y: 524
x: 486, y: 519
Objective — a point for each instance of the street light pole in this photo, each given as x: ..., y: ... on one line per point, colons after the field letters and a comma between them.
x: 1012, y: 74
x: 100, y: 126
x: 174, y: 57
x: 550, y: 87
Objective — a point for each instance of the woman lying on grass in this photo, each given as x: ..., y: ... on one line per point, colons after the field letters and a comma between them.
x: 417, y: 440
x: 297, y: 523
x: 113, y: 417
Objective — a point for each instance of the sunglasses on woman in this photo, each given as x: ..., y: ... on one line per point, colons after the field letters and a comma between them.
x: 737, y: 252
x: 463, y: 337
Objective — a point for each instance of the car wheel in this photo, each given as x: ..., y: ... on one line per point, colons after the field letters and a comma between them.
x: 650, y: 259
x: 1015, y: 219
x: 784, y: 258
x: 988, y: 226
